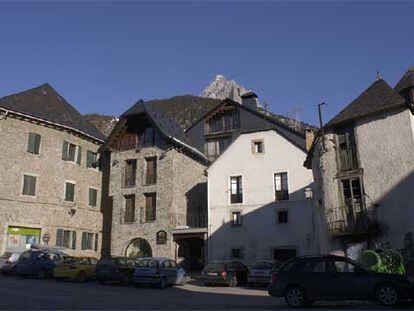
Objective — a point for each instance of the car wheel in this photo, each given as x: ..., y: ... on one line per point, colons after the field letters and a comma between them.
x: 81, y: 277
x: 387, y: 295
x: 162, y: 284
x: 41, y: 274
x: 233, y: 281
x: 295, y: 297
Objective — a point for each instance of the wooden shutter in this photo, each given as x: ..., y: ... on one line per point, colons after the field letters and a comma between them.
x: 96, y: 241
x: 59, y: 237
x: 34, y: 143
x: 29, y: 185
x: 83, y: 244
x: 150, y: 207
x: 129, y: 209
x: 65, y: 150
x: 151, y: 174
x: 92, y: 197
x: 73, y: 239
x: 79, y: 158
x: 70, y: 192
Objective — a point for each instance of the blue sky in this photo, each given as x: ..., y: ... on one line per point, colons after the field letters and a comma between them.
x: 104, y: 56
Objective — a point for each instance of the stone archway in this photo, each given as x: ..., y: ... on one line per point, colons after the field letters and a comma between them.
x: 138, y: 248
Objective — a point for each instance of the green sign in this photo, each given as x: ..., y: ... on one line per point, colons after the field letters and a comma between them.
x: 23, y: 231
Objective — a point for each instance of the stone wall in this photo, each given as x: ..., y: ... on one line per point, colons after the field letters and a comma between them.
x: 47, y: 210
x: 177, y: 173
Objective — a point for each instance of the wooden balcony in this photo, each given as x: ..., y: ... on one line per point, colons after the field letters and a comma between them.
x: 347, y: 158
x: 352, y: 220
x: 190, y: 220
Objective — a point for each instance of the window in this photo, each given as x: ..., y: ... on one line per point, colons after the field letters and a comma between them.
x: 342, y: 266
x: 93, y: 197
x: 87, y: 240
x: 222, y: 121
x: 150, y: 207
x: 71, y: 152
x: 161, y: 237
x: 257, y: 146
x: 91, y: 159
x: 281, y: 187
x: 237, y: 253
x: 236, y: 194
x: 96, y: 241
x: 282, y: 217
x: 352, y: 193
x: 236, y: 219
x: 151, y: 171
x: 130, y: 173
x: 69, y: 192
x: 29, y: 185
x: 314, y: 266
x: 73, y: 239
x: 129, y: 216
x: 33, y: 145
x: 214, y: 147
x: 63, y: 238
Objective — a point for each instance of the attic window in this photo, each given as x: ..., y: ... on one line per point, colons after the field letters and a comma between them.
x: 257, y: 146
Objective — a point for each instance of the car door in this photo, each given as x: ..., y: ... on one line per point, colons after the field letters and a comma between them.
x: 316, y: 277
x: 90, y: 268
x: 352, y: 281
x: 171, y: 271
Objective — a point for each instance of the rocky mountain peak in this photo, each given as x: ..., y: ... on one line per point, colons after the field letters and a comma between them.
x: 221, y: 88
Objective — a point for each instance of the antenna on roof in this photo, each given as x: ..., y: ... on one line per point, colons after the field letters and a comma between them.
x: 265, y: 106
x: 378, y: 75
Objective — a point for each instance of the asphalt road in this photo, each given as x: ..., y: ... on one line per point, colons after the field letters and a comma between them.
x: 32, y: 294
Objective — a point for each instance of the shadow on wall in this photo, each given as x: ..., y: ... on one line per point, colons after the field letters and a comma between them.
x: 396, y: 216
x: 277, y: 230
x: 197, y: 206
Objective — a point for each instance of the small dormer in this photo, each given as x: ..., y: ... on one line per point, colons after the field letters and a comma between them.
x: 405, y: 87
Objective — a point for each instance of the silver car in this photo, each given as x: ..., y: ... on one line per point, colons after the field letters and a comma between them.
x: 158, y: 271
x: 8, y: 262
x: 260, y: 273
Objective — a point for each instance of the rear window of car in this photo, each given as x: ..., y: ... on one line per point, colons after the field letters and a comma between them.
x: 214, y: 267
x: 6, y: 255
x: 288, y: 265
x: 28, y: 255
x: 262, y: 266
x: 150, y: 263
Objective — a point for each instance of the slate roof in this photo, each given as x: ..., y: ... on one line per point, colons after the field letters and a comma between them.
x: 185, y: 110
x: 406, y: 81
x: 45, y: 103
x: 378, y: 97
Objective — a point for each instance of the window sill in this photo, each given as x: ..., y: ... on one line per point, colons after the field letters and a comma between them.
x: 39, y: 155
x: 27, y: 196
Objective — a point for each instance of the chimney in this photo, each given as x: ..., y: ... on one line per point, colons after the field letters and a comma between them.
x: 249, y: 99
x: 309, y: 138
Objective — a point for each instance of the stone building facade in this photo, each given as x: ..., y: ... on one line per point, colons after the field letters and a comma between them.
x: 363, y: 167
x: 44, y: 199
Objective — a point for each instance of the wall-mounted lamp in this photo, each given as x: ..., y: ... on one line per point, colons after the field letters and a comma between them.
x: 72, y: 211
x: 308, y: 193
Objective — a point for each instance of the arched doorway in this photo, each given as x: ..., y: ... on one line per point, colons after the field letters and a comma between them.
x: 138, y: 248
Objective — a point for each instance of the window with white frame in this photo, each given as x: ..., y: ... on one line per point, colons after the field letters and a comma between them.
x: 257, y: 146
x: 87, y: 241
x: 33, y: 145
x: 236, y: 192
x: 93, y: 197
x: 281, y: 187
x: 71, y: 152
x: 236, y: 219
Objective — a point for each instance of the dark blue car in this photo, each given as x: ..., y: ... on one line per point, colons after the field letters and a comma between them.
x: 38, y: 263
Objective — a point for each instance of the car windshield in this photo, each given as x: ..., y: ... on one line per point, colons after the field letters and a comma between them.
x: 214, y: 267
x: 149, y: 263
x: 262, y: 266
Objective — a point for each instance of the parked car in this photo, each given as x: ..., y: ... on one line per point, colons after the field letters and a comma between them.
x: 79, y: 269
x: 231, y: 273
x: 115, y: 269
x: 260, y: 273
x: 303, y: 280
x: 8, y: 262
x: 38, y: 263
x: 160, y: 271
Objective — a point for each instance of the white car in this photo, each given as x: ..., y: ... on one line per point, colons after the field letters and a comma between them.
x: 8, y: 262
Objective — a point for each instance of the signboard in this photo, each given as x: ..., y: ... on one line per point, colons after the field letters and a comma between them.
x: 23, y: 231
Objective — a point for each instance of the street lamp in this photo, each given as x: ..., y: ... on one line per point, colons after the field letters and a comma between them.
x: 308, y: 193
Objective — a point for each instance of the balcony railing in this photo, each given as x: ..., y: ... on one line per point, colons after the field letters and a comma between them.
x: 348, y: 158
x: 128, y: 180
x: 192, y: 220
x: 353, y: 219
